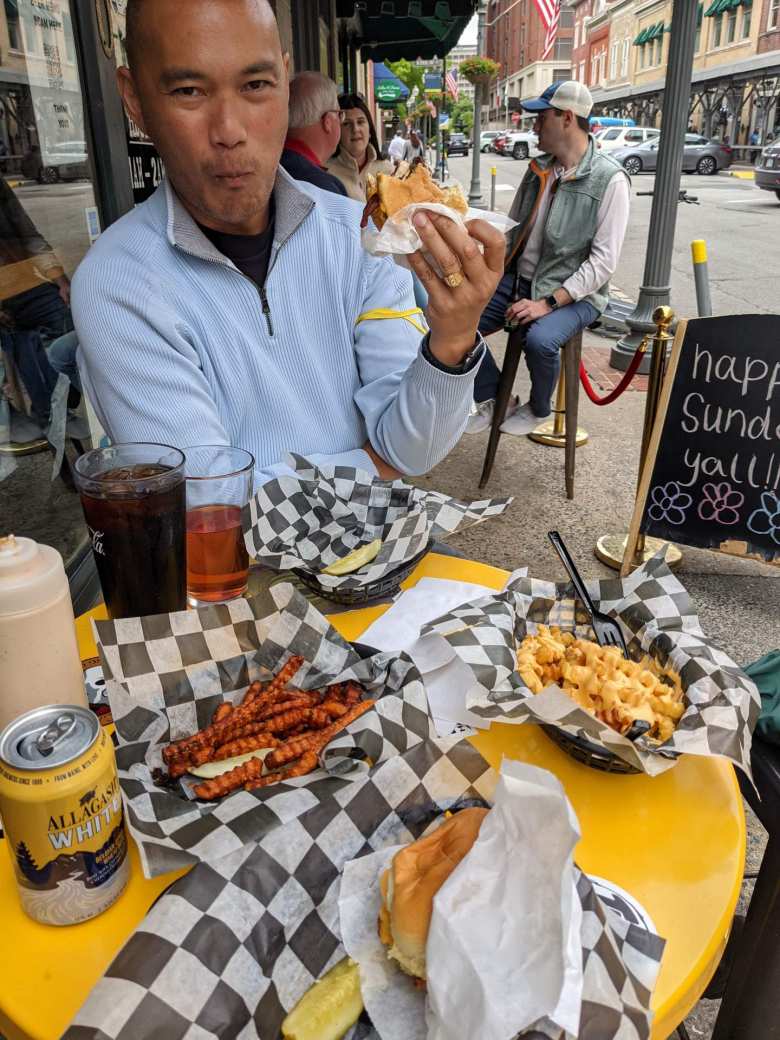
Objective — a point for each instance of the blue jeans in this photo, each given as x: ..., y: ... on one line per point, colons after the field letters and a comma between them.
x: 543, y: 341
x: 62, y: 357
x: 37, y: 316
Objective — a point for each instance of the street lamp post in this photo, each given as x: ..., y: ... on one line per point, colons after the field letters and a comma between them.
x: 475, y: 191
x: 655, y: 289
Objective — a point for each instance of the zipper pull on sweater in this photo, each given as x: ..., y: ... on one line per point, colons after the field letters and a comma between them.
x: 266, y: 310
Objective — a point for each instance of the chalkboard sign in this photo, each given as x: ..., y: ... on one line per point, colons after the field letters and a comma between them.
x: 712, y: 473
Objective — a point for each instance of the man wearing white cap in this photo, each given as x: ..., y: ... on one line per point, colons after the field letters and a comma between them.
x: 572, y: 211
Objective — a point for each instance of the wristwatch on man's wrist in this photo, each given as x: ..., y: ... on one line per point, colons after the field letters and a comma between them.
x: 551, y: 302
x: 473, y: 357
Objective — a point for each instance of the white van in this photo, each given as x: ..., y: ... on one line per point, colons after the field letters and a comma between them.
x: 625, y: 137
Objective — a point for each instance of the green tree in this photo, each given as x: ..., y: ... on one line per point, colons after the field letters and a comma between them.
x: 409, y: 74
x: 462, y: 114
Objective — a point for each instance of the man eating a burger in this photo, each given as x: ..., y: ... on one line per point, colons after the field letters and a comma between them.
x: 236, y: 306
x: 572, y: 212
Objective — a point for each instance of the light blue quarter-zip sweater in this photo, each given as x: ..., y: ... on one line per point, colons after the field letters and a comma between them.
x: 176, y: 346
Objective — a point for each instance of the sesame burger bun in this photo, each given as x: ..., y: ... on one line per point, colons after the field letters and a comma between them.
x: 412, y: 880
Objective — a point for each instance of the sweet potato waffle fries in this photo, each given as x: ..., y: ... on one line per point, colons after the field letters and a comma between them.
x: 295, y: 724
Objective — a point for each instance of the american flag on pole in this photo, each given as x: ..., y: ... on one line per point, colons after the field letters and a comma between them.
x: 451, y: 84
x: 550, y: 13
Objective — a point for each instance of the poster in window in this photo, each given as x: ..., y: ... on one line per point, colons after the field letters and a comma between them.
x: 146, y: 166
x: 52, y: 74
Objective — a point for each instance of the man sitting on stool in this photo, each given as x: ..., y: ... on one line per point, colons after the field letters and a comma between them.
x: 572, y: 210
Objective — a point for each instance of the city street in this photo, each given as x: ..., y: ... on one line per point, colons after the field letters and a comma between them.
x: 59, y: 212
x: 739, y: 222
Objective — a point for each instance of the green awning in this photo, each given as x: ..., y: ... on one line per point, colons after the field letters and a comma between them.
x: 387, y: 30
x: 721, y: 6
x: 650, y: 33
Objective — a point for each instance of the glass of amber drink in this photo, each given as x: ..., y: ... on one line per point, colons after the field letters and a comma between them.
x: 219, y: 483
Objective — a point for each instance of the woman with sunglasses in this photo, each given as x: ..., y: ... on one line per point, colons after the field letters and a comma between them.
x: 358, y: 153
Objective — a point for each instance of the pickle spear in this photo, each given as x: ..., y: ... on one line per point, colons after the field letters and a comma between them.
x: 329, y: 1009
x: 209, y: 770
x: 355, y: 560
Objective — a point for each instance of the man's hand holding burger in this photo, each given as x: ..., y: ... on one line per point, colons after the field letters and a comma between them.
x: 470, y: 277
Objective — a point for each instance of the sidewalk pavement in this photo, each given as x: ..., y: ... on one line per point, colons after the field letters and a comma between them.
x: 736, y: 599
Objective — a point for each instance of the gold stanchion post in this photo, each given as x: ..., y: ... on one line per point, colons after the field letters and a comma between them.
x: 553, y: 431
x: 611, y: 547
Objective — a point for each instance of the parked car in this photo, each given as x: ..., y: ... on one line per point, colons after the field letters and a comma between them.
x: 699, y: 156
x: 708, y: 156
x: 614, y: 137
x: 65, y: 161
x: 486, y: 139
x: 768, y: 169
x: 521, y: 144
x: 458, y: 144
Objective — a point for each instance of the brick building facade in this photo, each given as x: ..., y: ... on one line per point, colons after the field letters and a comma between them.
x: 515, y: 37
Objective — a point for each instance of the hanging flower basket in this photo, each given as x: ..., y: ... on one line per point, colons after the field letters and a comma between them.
x: 479, y: 70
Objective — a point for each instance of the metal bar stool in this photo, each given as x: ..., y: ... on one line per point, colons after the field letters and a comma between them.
x: 568, y: 391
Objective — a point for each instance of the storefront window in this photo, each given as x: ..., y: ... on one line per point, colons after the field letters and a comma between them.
x: 14, y: 28
x: 718, y: 29
x: 48, y: 219
x: 731, y: 27
x: 746, y: 15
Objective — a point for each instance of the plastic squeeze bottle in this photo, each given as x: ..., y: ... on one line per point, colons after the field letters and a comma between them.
x: 39, y: 655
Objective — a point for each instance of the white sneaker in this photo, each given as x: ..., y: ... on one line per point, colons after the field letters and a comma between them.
x: 481, y: 415
x: 522, y: 421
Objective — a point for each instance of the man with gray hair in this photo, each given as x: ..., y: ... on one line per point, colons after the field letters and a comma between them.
x: 314, y: 130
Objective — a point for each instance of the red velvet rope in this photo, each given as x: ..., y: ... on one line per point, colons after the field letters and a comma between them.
x: 613, y: 394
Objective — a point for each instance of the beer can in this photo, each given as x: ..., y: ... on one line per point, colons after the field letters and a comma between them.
x: 61, y: 809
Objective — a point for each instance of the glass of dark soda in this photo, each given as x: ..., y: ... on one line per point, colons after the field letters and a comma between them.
x: 134, y: 501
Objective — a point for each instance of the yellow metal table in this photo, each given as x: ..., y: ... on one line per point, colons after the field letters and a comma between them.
x: 676, y: 842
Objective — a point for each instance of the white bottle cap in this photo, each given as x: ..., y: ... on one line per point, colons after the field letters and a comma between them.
x: 31, y: 575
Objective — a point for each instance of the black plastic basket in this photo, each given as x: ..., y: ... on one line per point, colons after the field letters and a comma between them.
x: 588, y: 753
x: 378, y: 590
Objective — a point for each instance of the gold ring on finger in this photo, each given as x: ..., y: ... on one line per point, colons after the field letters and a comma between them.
x: 454, y: 280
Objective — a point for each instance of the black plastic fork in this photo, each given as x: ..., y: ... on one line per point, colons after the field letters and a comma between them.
x: 606, y: 629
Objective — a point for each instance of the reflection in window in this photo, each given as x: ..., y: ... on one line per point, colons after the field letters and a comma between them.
x: 14, y: 29
x: 31, y: 41
x: 45, y: 190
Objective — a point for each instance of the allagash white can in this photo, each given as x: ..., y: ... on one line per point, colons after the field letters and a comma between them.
x: 62, y: 814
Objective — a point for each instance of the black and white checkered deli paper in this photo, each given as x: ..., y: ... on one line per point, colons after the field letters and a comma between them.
x: 232, y: 946
x: 310, y: 521
x: 657, y: 618
x: 167, y: 674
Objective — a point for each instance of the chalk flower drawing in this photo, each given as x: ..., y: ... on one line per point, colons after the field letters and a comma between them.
x: 669, y: 503
x: 721, y: 502
x: 766, y: 520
